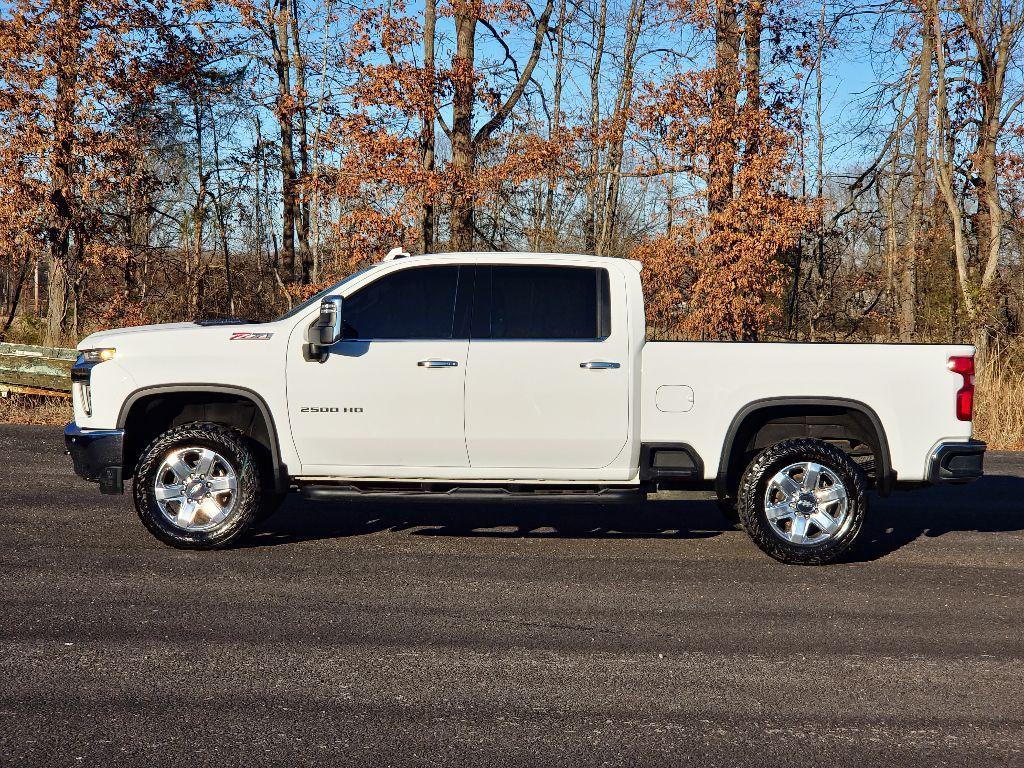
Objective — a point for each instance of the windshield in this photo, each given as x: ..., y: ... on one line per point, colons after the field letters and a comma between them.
x: 316, y: 297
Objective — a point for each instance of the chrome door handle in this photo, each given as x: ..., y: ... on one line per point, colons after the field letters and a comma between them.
x: 598, y: 365
x: 437, y: 364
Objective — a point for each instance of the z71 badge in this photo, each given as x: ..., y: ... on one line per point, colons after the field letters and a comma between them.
x: 243, y: 336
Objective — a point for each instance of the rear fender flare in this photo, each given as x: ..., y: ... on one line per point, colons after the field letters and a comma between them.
x: 886, y: 477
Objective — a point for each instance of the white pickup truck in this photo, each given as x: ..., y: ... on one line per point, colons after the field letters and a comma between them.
x: 510, y: 377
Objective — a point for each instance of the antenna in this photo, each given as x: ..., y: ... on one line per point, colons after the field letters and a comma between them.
x: 397, y: 253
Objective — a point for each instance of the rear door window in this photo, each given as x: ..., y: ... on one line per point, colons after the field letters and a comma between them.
x: 542, y: 302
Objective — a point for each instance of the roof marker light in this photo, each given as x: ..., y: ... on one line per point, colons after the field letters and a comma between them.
x: 397, y: 253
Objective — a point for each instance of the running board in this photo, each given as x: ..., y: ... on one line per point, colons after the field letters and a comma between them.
x: 448, y: 493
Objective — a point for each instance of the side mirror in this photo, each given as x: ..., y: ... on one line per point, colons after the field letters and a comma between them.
x: 326, y: 330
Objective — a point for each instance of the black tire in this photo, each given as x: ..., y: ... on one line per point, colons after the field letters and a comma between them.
x: 223, y: 440
x: 752, y: 502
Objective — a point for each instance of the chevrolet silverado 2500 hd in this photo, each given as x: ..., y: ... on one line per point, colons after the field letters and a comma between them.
x: 522, y: 377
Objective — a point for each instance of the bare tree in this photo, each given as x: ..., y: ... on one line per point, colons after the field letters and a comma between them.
x: 611, y: 176
x: 465, y: 143
x: 428, y: 149
x: 284, y: 112
x: 722, y: 168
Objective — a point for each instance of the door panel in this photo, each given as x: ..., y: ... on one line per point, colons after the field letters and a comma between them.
x: 530, y: 404
x: 391, y: 394
x: 558, y: 399
x: 391, y: 411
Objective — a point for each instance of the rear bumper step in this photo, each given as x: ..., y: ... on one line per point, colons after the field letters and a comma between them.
x: 436, y: 492
x: 957, y: 462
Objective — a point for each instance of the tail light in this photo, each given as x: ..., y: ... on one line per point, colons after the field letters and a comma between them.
x: 965, y: 396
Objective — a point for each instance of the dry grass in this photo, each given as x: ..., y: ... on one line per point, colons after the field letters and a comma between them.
x: 33, y: 409
x: 999, y: 404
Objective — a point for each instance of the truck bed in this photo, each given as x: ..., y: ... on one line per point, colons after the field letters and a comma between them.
x: 694, y: 391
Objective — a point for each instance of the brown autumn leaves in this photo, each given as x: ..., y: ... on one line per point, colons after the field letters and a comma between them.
x: 163, y: 161
x: 707, y: 124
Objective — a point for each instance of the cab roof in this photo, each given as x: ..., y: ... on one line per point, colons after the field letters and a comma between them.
x: 503, y: 256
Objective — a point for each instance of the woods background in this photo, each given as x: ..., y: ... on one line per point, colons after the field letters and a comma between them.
x: 811, y: 171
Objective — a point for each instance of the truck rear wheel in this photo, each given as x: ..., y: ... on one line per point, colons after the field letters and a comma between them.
x: 803, y: 501
x: 198, y: 486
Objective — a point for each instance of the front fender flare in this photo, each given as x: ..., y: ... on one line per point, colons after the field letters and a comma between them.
x: 281, y: 478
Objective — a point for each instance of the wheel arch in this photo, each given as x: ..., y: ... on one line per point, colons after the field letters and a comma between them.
x: 170, y: 400
x: 760, y: 413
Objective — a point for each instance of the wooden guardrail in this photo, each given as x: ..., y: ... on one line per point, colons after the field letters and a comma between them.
x: 35, y: 370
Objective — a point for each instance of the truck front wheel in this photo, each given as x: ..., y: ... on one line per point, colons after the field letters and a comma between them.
x: 803, y: 501
x: 197, y: 486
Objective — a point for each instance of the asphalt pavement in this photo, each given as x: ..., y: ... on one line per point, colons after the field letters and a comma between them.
x: 427, y: 634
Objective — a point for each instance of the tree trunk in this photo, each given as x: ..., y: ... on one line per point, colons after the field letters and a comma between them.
x: 620, y: 119
x: 908, y: 309
x: 549, y: 235
x: 990, y: 212
x: 753, y: 25
x: 942, y: 160
x: 596, y: 195
x: 285, y: 112
x: 820, y: 296
x: 58, y: 297
x: 887, y: 203
x: 995, y: 30
x: 138, y: 234
x: 314, y: 204
x: 722, y: 165
x: 302, y: 205
x: 463, y: 157
x: 466, y: 144
x: 427, y: 144
x: 194, y: 257
x: 16, y: 295
x: 61, y: 172
x: 222, y: 226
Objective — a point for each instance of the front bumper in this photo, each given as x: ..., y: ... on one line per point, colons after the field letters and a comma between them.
x: 97, y: 455
x: 957, y: 462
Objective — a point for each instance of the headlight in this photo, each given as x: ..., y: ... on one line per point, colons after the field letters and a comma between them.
x: 98, y: 355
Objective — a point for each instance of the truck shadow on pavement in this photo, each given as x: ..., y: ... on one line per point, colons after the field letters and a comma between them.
x: 994, y: 504
x: 299, y: 520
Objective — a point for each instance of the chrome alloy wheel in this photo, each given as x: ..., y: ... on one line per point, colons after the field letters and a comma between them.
x: 195, y: 488
x: 807, y: 504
